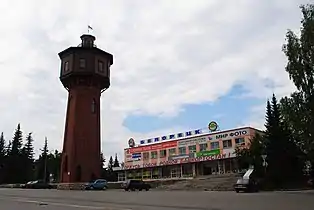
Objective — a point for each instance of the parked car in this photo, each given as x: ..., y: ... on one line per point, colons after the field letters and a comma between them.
x: 99, y: 184
x: 136, y: 185
x: 246, y: 185
x: 37, y: 184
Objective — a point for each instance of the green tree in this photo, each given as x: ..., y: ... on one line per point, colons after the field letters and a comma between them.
x: 55, y: 165
x: 110, y: 163
x: 29, y: 148
x: 15, y: 173
x: 251, y: 155
x: 2, y: 158
x: 295, y: 115
x: 300, y: 67
x: 17, y: 142
x: 243, y: 157
x: 28, y: 158
x: 2, y: 148
x: 42, y: 163
x: 280, y: 149
x: 116, y: 161
x: 8, y: 148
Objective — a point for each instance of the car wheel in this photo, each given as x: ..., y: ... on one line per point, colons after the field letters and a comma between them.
x: 140, y: 189
x: 147, y: 189
x: 237, y: 191
x: 126, y: 189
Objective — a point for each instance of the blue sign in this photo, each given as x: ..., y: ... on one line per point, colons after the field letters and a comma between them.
x: 171, y: 136
x: 136, y: 155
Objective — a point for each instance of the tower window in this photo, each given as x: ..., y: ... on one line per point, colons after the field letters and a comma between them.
x: 108, y: 68
x: 82, y: 63
x: 66, y: 66
x: 94, y: 106
x: 101, y: 67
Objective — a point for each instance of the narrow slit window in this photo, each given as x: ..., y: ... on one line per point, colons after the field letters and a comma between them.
x: 94, y: 106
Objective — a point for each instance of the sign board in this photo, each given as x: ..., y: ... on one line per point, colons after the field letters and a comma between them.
x: 174, y: 157
x: 192, y: 141
x: 212, y: 126
x: 179, y: 161
x: 230, y: 134
x: 208, y: 153
x: 172, y: 136
x: 153, y: 147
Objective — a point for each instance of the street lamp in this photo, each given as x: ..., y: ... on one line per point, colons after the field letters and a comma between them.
x: 264, y: 162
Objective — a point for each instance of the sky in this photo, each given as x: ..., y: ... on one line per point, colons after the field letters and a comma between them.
x: 178, y: 64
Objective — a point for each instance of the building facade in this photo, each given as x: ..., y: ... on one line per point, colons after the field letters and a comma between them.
x: 188, y: 156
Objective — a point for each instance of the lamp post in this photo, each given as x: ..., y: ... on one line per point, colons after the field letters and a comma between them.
x: 264, y: 162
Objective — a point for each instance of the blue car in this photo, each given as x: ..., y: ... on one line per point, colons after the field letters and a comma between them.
x: 99, y: 184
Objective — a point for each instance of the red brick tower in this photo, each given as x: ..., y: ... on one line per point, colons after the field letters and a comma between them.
x: 85, y: 74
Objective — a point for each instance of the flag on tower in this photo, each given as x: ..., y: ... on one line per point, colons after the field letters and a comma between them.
x: 89, y: 27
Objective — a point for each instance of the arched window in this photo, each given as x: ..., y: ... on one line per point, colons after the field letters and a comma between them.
x: 94, y: 106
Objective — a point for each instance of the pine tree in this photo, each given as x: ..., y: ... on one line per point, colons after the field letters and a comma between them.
x: 9, y: 148
x: 15, y: 159
x: 17, y: 141
x: 55, y: 165
x: 28, y: 158
x: 2, y: 148
x: 2, y: 158
x: 42, y: 162
x: 280, y: 148
x: 29, y: 149
x: 110, y: 163
x: 116, y: 161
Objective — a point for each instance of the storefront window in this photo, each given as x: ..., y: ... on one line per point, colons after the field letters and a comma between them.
x: 203, y: 147
x: 227, y: 143
x: 175, y: 172
x: 172, y: 151
x: 145, y: 155
x: 239, y: 141
x: 154, y: 154
x: 163, y: 153
x: 214, y: 145
x: 155, y: 174
x: 192, y: 149
x: 182, y: 150
x: 147, y: 174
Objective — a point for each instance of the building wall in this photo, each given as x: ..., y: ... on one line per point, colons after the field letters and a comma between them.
x: 219, y: 145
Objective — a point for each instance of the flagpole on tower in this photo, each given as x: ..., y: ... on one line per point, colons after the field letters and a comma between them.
x: 89, y: 28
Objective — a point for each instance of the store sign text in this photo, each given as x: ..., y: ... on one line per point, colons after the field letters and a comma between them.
x: 231, y: 134
x: 171, y: 136
x: 192, y: 141
x: 153, y: 147
x: 180, y: 161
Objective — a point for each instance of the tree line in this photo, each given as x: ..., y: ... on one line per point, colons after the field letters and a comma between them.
x: 18, y: 164
x: 284, y: 154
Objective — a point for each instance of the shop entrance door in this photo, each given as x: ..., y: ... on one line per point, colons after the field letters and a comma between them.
x: 175, y: 172
x: 207, y: 170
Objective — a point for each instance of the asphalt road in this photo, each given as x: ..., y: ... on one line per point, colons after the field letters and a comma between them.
x: 16, y: 199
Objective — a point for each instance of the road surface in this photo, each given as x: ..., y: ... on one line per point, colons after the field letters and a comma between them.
x: 16, y: 199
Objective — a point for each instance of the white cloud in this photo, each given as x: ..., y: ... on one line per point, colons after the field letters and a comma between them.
x: 166, y: 54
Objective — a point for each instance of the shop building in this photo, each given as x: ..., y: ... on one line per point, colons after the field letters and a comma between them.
x: 185, y: 155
